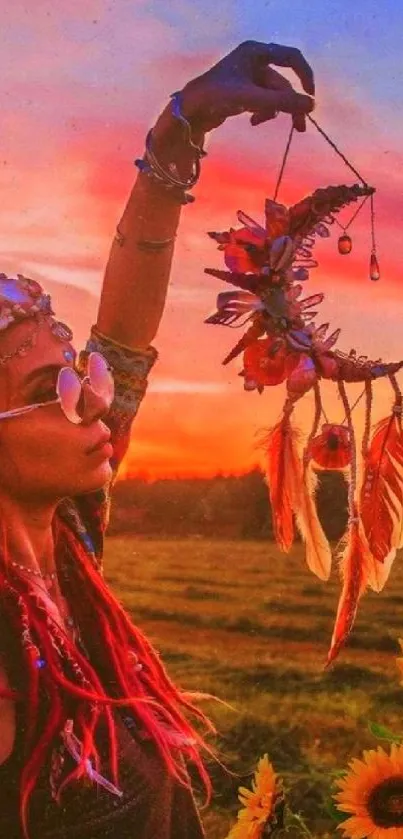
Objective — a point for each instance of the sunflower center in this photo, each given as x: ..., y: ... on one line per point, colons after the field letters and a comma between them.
x: 385, y: 803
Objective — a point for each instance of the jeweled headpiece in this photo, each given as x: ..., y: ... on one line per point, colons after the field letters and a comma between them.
x: 22, y: 298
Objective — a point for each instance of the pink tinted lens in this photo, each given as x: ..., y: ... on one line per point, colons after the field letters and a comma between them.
x: 101, y: 379
x: 69, y: 392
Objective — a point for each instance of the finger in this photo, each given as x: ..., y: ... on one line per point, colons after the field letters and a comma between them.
x: 298, y: 120
x: 262, y: 116
x: 299, y: 123
x: 283, y: 56
x: 259, y: 99
x: 273, y: 80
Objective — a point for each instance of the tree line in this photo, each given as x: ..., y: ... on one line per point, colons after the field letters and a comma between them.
x: 224, y: 506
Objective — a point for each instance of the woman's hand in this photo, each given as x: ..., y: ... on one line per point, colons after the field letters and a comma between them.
x: 245, y: 81
x: 242, y: 81
x: 136, y: 278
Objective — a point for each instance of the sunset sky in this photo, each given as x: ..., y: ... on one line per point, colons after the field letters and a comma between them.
x: 82, y: 81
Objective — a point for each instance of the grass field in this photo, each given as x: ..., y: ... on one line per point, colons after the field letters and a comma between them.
x: 252, y: 626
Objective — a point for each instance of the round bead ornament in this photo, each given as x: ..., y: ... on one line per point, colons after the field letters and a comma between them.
x: 332, y: 448
x: 344, y: 244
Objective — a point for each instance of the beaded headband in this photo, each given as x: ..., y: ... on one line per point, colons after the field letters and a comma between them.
x: 22, y: 298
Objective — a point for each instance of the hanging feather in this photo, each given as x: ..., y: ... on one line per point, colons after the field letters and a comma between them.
x: 280, y: 452
x: 292, y: 492
x: 378, y: 572
x: 381, y: 497
x: 318, y: 552
x: 354, y: 573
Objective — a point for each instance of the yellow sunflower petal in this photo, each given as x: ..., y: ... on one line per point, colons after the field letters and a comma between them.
x: 242, y: 829
x: 246, y: 793
x: 257, y: 802
x: 396, y: 754
x: 356, y: 828
x: 355, y: 789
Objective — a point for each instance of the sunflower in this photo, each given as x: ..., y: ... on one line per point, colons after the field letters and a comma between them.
x: 372, y: 792
x: 262, y: 805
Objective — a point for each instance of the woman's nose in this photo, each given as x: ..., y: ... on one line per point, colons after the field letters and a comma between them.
x: 96, y: 406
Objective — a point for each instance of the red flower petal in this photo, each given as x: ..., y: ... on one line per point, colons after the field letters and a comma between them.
x: 265, y: 368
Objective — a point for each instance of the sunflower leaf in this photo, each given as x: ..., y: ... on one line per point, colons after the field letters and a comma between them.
x: 332, y: 811
x: 338, y: 773
x: 381, y: 732
x: 296, y: 820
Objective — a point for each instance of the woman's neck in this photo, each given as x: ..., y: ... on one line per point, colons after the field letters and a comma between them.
x: 26, y: 533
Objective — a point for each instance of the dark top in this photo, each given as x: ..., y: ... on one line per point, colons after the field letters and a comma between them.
x: 153, y: 805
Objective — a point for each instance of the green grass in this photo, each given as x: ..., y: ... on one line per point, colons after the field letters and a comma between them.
x: 252, y: 626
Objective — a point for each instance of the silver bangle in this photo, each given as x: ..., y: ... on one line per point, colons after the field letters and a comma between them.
x: 176, y: 109
x: 145, y: 168
x: 169, y: 178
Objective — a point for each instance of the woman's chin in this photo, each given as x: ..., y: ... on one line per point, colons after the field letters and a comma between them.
x: 102, y: 475
x: 95, y: 479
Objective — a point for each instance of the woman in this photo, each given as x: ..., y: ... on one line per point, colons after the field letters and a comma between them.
x: 94, y: 738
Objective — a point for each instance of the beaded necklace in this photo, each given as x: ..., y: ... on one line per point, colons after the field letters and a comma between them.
x: 50, y: 580
x: 48, y: 577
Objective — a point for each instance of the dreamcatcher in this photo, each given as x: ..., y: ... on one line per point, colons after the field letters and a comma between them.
x: 283, y: 343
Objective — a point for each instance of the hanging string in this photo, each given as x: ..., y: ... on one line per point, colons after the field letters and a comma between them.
x: 373, y: 225
x: 287, y: 149
x: 367, y: 425
x: 325, y: 417
x: 398, y: 395
x: 354, y: 405
x: 345, y: 227
x: 353, y: 468
x: 334, y: 147
x: 315, y: 425
x: 345, y: 160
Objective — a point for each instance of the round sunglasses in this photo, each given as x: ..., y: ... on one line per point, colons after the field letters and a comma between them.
x: 70, y: 392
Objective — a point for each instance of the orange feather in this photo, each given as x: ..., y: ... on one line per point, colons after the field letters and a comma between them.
x: 279, y: 445
x: 378, y: 572
x: 293, y: 493
x: 318, y: 552
x: 381, y: 497
x: 354, y: 572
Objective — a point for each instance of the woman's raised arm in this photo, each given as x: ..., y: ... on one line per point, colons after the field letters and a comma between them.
x: 138, y: 269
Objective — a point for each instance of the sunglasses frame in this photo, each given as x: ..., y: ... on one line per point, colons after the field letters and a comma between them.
x: 17, y: 412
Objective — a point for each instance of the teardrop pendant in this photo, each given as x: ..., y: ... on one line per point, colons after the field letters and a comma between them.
x: 344, y: 244
x: 374, y: 271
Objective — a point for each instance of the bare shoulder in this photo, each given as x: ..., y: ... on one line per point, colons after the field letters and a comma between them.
x: 7, y: 718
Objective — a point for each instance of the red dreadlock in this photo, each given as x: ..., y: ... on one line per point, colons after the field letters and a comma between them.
x: 86, y: 687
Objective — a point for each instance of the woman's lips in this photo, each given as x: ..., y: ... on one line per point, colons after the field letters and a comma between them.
x: 103, y: 445
x: 104, y: 451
